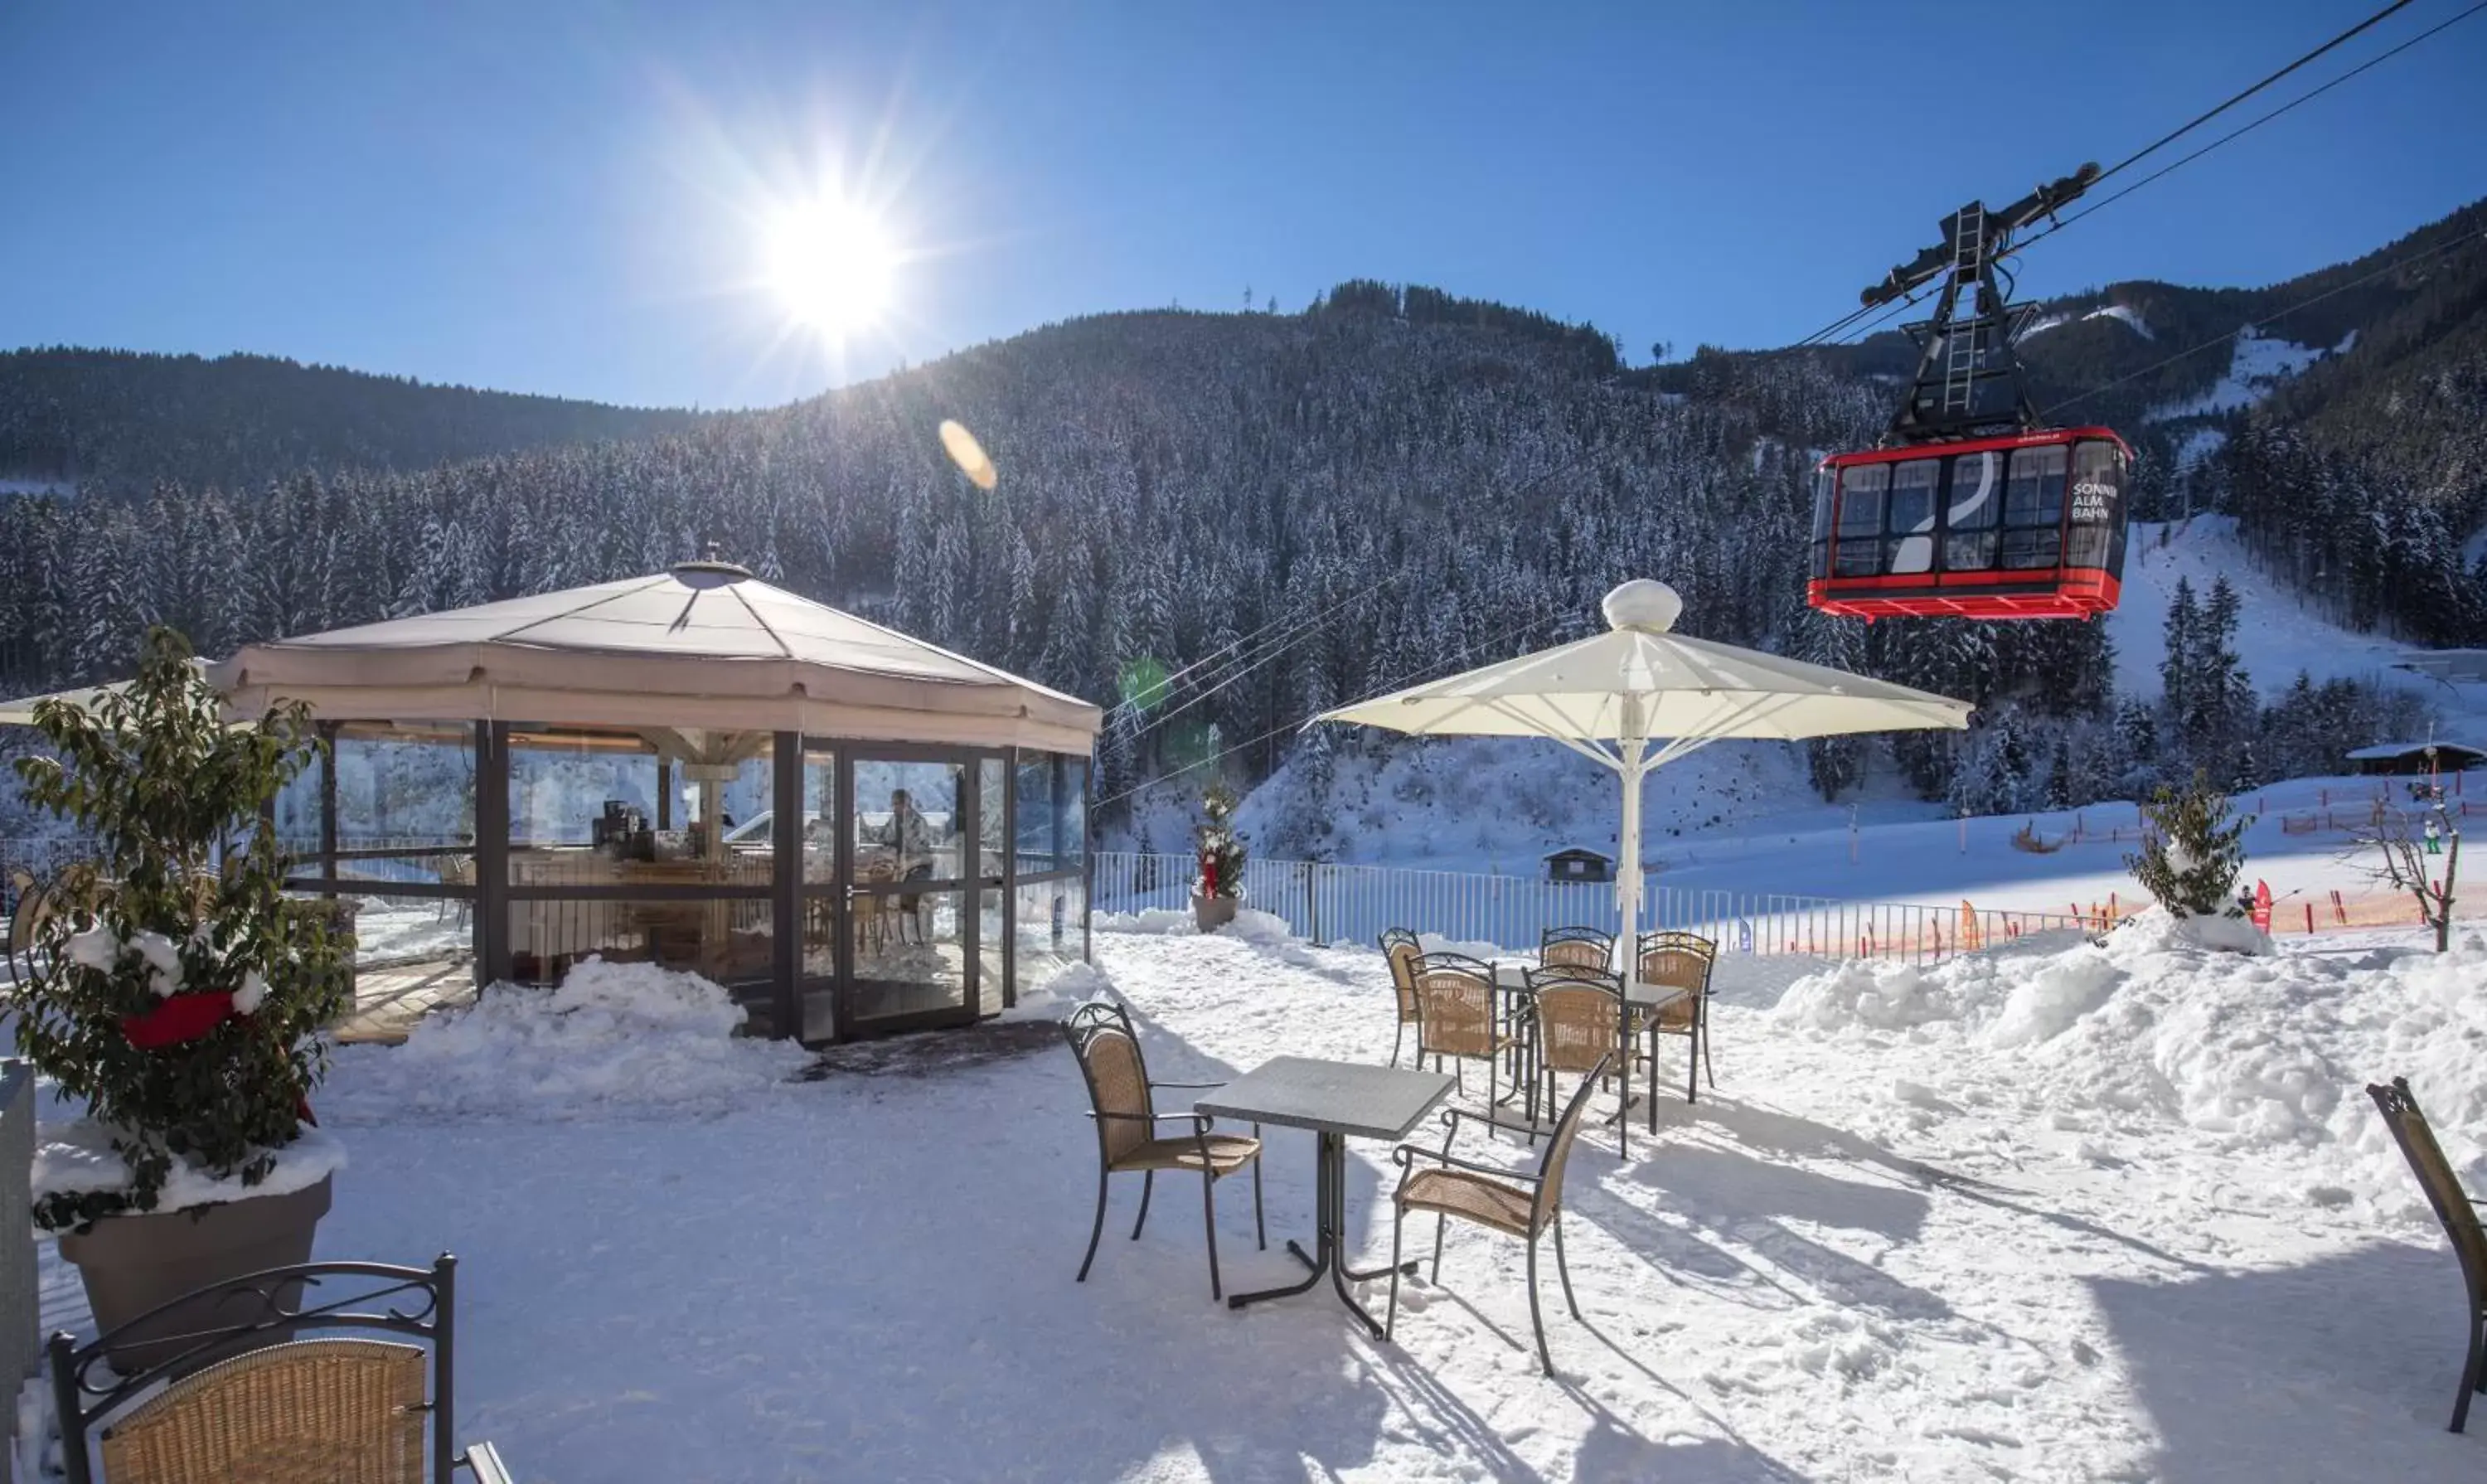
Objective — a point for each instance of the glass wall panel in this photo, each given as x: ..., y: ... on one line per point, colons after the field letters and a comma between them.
x: 404, y: 836
x: 909, y: 821
x: 1040, y: 821
x: 819, y: 814
x: 728, y: 941
x: 585, y: 808
x: 911, y: 954
x: 992, y: 818
x: 1072, y: 846
x: 1044, y: 918
x: 993, y: 935
x: 1976, y: 503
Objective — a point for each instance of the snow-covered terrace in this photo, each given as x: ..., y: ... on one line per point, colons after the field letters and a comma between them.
x: 2064, y: 1212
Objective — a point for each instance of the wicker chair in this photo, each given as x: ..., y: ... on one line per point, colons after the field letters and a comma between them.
x: 1583, y: 1027
x: 1124, y: 1106
x: 1457, y: 1015
x: 297, y: 1411
x: 1681, y: 961
x: 36, y: 901
x: 1577, y: 948
x: 1401, y: 948
x: 1524, y: 1206
x: 2460, y: 1219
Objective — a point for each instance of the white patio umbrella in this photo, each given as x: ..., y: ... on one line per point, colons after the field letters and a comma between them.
x: 1609, y: 698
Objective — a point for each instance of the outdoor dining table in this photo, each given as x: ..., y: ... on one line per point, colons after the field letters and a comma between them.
x: 1336, y: 1100
x: 1644, y: 1001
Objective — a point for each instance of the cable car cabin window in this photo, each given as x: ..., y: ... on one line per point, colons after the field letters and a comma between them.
x: 1826, y: 485
x: 1861, y: 490
x: 1976, y: 504
x: 1909, y: 519
x: 2033, y: 508
x: 2098, y: 502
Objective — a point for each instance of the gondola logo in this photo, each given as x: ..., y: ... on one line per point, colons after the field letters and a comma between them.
x: 2093, y: 502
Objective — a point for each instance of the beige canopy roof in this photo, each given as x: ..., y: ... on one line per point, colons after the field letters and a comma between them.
x: 21, y: 712
x: 704, y: 645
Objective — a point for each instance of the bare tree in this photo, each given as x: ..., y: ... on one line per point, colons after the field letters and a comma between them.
x: 2412, y: 842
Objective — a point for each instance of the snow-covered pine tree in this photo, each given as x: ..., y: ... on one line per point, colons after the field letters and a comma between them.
x: 2192, y: 852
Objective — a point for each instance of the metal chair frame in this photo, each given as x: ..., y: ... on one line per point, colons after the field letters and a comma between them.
x: 1496, y: 1022
x: 1081, y: 1028
x: 1574, y: 947
x: 1545, y: 1205
x: 1573, y: 978
x: 275, y: 1304
x: 1693, y: 945
x: 2453, y: 1208
x: 1402, y: 949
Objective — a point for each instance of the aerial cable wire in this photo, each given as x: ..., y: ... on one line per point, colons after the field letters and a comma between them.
x: 1842, y: 327
x: 1511, y: 632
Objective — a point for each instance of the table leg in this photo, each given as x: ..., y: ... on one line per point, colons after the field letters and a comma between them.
x: 1330, y: 1239
x: 1320, y: 1259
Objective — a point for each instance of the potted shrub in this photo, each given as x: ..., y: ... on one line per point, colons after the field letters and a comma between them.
x: 180, y: 996
x: 1219, y: 889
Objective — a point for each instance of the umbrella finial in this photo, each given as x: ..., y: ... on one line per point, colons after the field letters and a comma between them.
x: 1643, y: 605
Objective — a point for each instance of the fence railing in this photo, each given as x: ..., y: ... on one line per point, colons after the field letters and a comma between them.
x: 1353, y: 904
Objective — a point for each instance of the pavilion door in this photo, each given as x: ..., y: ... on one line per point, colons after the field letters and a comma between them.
x: 913, y: 889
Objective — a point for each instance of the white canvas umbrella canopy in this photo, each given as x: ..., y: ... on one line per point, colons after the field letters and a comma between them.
x: 1609, y: 698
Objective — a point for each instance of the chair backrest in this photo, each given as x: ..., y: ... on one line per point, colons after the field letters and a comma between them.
x: 1109, y: 1051
x: 1454, y: 1005
x: 36, y: 901
x: 2436, y: 1178
x: 1579, y: 1019
x: 1679, y: 961
x: 230, y: 1392
x: 1559, y: 1150
x: 1584, y: 947
x: 305, y: 1411
x: 1403, y: 950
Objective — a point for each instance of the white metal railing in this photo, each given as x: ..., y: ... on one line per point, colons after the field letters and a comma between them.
x: 1353, y: 904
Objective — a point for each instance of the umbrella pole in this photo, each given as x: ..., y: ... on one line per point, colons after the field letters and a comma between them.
x: 1632, y: 758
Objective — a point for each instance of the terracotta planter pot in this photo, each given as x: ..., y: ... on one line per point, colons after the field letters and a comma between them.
x: 129, y: 1264
x: 1212, y: 912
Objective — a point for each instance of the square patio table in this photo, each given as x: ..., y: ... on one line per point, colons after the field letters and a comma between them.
x: 1511, y: 976
x: 1336, y: 1100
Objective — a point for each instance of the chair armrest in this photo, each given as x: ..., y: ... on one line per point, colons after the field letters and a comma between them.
x: 1202, y: 1120
x: 1402, y: 1154
x: 484, y: 1461
x: 1451, y: 1117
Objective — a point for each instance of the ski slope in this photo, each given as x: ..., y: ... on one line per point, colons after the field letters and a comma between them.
x: 2279, y: 633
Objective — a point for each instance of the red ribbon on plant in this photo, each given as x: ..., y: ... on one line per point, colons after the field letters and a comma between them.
x: 186, y: 1018
x: 1208, y: 874
x: 178, y: 1019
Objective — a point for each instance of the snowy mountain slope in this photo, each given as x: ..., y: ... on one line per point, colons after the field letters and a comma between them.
x: 2256, y: 366
x: 2278, y: 634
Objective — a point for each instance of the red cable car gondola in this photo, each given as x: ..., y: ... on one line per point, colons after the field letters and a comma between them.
x: 1971, y: 509
x: 2025, y: 525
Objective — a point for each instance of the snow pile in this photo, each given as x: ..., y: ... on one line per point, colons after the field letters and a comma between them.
x: 2165, y: 1026
x: 76, y: 1157
x: 1056, y: 997
x: 613, y: 1038
x: 1154, y: 921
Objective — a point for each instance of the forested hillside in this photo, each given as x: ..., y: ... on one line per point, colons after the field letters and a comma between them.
x: 115, y: 421
x: 1387, y: 486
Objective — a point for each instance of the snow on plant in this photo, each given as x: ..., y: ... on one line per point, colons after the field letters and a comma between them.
x: 1219, y: 846
x: 2193, y: 852
x: 179, y: 993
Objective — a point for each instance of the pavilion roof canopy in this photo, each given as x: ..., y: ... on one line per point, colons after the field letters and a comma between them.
x: 704, y: 645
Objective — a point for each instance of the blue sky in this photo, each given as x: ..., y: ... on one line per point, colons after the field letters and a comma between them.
x: 571, y: 199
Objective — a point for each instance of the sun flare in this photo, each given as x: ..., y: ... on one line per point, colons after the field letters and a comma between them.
x: 833, y: 266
